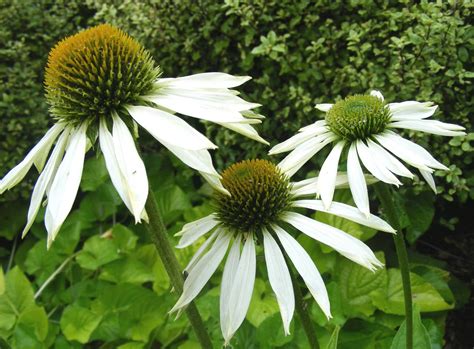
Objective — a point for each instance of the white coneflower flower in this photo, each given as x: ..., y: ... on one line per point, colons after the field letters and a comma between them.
x: 364, y: 125
x: 262, y: 203
x: 102, y: 79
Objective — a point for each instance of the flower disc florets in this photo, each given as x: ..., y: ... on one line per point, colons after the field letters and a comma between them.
x: 95, y: 72
x: 358, y: 117
x: 260, y: 192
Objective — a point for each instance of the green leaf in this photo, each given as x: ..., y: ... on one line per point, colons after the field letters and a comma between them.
x: 420, y: 211
x: 421, y: 339
x: 332, y: 344
x: 78, y: 323
x: 263, y: 303
x: 172, y: 201
x: 358, y: 284
x: 424, y: 295
x: 270, y: 333
x: 94, y: 174
x: 36, y: 319
x: 124, y: 238
x: 97, y: 251
x: 127, y: 270
x: 2, y: 281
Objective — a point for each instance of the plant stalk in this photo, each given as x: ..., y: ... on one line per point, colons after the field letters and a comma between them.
x: 159, y: 236
x: 386, y: 199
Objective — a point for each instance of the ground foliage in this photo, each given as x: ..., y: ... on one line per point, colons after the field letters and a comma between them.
x: 111, y: 290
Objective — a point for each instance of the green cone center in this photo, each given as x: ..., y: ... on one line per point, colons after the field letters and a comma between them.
x: 260, y: 192
x: 95, y: 72
x: 358, y: 117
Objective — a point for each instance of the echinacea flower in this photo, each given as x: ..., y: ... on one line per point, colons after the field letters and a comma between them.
x: 262, y: 204
x: 365, y: 124
x: 101, y: 78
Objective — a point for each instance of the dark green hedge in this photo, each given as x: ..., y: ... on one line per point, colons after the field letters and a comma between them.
x: 299, y: 53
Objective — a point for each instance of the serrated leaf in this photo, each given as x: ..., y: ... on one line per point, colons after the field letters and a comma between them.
x: 78, y: 323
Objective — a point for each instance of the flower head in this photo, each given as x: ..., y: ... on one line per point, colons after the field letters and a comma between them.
x: 365, y: 124
x: 99, y: 83
x: 262, y: 203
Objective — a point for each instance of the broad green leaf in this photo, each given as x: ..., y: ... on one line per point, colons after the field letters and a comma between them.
x: 127, y: 270
x: 424, y: 294
x: 270, y: 332
x: 100, y: 203
x: 438, y: 278
x: 421, y: 339
x: 337, y: 310
x: 420, y: 211
x: 125, y: 239
x: 263, y: 303
x: 361, y: 334
x: 41, y: 262
x: 172, y: 201
x: 358, y: 284
x: 323, y: 257
x: 18, y: 295
x: 94, y: 174
x: 35, y: 318
x: 78, y: 323
x: 97, y: 251
x: 334, y: 338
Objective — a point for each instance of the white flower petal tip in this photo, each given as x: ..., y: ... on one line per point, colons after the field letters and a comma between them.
x: 327, y: 177
x: 376, y: 93
x: 324, y: 106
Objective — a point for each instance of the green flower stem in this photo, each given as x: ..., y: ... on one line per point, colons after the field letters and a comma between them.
x: 158, y: 234
x: 385, y: 197
x: 302, y: 310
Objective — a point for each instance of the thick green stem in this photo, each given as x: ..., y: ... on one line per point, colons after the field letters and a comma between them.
x: 302, y: 310
x: 158, y: 234
x: 386, y: 199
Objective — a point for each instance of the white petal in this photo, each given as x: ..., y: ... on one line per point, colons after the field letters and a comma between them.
x: 191, y: 232
x: 302, y: 153
x: 429, y: 179
x: 227, y: 284
x: 357, y: 182
x: 169, y: 128
x: 202, y: 271
x: 408, y: 151
x: 280, y: 279
x: 324, y: 106
x: 327, y: 175
x: 389, y: 161
x: 430, y: 126
x: 377, y: 94
x: 371, y: 162
x: 344, y: 243
x: 206, y: 80
x: 131, y: 167
x: 199, y: 160
x: 242, y: 288
x: 45, y: 179
x: 203, y: 248
x: 347, y: 212
x: 66, y: 182
x: 36, y: 155
x: 215, y: 182
x: 245, y: 130
x: 316, y: 125
x: 306, y: 268
x: 411, y: 110
x: 296, y: 140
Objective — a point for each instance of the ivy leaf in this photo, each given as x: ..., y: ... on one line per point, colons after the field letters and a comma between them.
x: 78, y: 323
x: 421, y: 339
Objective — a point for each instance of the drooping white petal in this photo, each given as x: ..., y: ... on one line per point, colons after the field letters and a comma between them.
x: 36, y: 155
x: 347, y: 212
x: 371, y: 163
x: 199, y: 160
x: 45, y: 179
x: 389, y: 161
x: 408, y: 151
x: 66, y: 182
x: 305, y: 151
x: 429, y: 179
x: 306, y: 268
x: 214, y: 181
x: 242, y: 288
x: 296, y: 140
x: 430, y: 126
x: 377, y: 94
x: 205, y: 80
x: 246, y: 130
x: 194, y: 230
x: 316, y: 125
x: 411, y: 110
x: 327, y: 175
x: 203, y: 248
x: 324, y: 106
x: 342, y: 242
x: 227, y: 284
x: 357, y: 183
x: 202, y: 271
x: 280, y: 279
x: 131, y: 167
x: 169, y: 128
